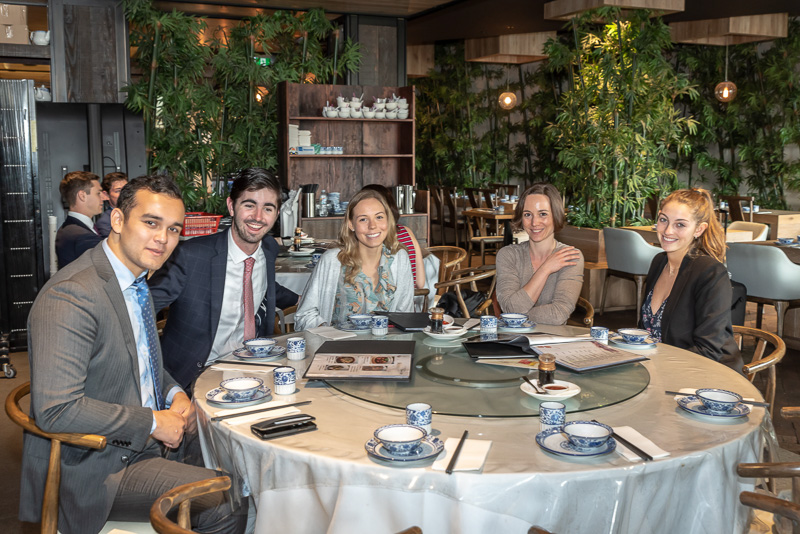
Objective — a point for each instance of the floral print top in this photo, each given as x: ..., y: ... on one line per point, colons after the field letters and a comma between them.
x: 362, y: 296
x: 652, y: 321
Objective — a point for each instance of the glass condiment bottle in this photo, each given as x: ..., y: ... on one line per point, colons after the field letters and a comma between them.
x: 547, y: 369
x: 437, y: 320
x: 298, y: 232
x: 297, y: 241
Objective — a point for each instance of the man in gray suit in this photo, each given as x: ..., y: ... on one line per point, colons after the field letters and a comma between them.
x: 96, y: 368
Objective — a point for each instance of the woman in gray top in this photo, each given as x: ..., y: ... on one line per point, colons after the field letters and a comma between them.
x: 541, y: 278
x: 369, y: 271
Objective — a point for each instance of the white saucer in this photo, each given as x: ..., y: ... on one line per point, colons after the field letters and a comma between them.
x: 618, y: 340
x: 276, y: 353
x: 302, y: 252
x: 310, y: 265
x: 350, y: 327
x: 693, y: 404
x: 556, y: 442
x: 218, y: 397
x: 526, y: 327
x: 430, y: 447
x: 450, y: 333
x: 571, y: 391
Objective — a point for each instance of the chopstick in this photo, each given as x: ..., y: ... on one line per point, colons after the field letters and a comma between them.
x: 636, y: 450
x: 241, y: 414
x: 454, y: 459
x: 248, y: 363
x: 751, y: 403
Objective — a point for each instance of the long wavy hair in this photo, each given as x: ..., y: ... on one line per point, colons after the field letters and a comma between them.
x: 349, y: 246
x: 712, y: 241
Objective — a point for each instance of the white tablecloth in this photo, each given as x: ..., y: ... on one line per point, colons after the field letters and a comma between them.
x: 323, y: 481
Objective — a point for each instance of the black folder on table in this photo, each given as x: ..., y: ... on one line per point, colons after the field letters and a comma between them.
x: 518, y: 347
x: 409, y: 322
x: 374, y: 346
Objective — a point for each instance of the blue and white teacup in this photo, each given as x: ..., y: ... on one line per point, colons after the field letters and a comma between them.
x: 786, y: 240
x: 284, y: 380
x: 552, y: 415
x: 315, y: 257
x: 296, y: 348
x: 380, y: 325
x: 362, y: 321
x: 488, y: 323
x: 419, y: 414
x: 599, y: 333
x: 513, y: 320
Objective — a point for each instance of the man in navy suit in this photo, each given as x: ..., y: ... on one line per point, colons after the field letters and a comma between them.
x: 215, y: 285
x: 80, y: 191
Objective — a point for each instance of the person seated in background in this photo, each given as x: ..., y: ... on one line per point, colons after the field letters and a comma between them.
x: 688, y: 290
x: 368, y: 271
x: 81, y: 191
x: 221, y: 288
x: 541, y: 278
x: 404, y: 235
x: 112, y: 184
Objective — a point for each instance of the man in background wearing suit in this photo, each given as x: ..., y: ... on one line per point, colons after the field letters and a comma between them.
x: 216, y: 284
x: 112, y: 185
x: 80, y: 191
x: 96, y: 368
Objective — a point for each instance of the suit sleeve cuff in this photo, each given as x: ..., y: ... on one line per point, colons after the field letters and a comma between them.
x: 153, y: 426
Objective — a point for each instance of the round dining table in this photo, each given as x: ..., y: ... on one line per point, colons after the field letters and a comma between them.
x: 324, y: 481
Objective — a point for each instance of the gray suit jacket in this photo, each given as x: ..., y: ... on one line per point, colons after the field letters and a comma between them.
x: 85, y: 379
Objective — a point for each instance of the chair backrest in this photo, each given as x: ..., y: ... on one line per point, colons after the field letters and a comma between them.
x: 653, y: 202
x: 505, y: 189
x: 450, y: 259
x: 762, y: 361
x: 181, y: 496
x: 760, y: 231
x: 588, y: 313
x: 765, y: 271
x: 449, y: 203
x: 477, y: 194
x: 282, y: 326
x: 91, y: 441
x: 437, y: 206
x: 627, y: 251
x: 467, y: 277
x: 735, y: 207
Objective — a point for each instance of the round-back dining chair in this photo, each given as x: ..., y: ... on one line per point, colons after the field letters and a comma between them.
x: 769, y: 276
x: 760, y: 231
x: 629, y: 256
x: 182, y: 496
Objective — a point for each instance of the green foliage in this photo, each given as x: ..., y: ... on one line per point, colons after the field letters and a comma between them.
x: 617, y: 128
x: 202, y: 118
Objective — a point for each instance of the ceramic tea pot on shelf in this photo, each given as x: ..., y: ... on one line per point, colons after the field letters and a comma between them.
x: 40, y: 38
x: 42, y: 94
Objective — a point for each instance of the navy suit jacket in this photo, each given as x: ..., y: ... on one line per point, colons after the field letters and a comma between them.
x: 192, y: 284
x: 73, y: 239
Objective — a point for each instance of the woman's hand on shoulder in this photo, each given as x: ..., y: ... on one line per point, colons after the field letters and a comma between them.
x: 560, y: 258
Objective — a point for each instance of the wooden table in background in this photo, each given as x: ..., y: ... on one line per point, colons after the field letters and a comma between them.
x: 492, y: 215
x: 782, y: 223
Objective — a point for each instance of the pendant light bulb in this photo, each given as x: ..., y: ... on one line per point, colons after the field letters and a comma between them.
x: 507, y: 100
x: 725, y: 91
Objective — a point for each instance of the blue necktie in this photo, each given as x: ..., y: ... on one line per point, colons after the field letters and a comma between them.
x: 143, y: 296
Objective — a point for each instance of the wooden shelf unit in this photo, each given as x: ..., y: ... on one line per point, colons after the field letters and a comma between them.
x: 375, y: 150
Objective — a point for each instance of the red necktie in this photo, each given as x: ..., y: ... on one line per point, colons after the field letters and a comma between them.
x: 247, y: 300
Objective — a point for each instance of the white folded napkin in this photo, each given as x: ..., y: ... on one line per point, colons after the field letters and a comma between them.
x: 256, y: 416
x: 469, y: 323
x: 471, y: 458
x: 331, y: 332
x: 244, y: 369
x: 632, y: 435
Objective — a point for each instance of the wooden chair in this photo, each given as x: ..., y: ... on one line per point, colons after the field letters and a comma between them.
x: 450, y: 259
x: 588, y: 314
x: 437, y: 212
x: 735, y: 207
x: 281, y: 325
x: 505, y: 189
x: 181, y: 497
x: 89, y: 441
x: 478, y: 236
x: 452, y: 219
x: 479, y: 197
x: 468, y: 277
x: 760, y: 362
x: 411, y: 530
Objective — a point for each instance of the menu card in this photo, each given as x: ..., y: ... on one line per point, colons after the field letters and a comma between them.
x: 371, y: 360
x: 588, y: 355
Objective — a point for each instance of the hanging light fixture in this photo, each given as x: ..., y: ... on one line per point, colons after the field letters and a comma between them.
x: 725, y: 91
x: 507, y: 98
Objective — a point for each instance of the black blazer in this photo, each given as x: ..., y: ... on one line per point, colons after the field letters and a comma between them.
x: 697, y: 316
x: 192, y: 284
x: 73, y: 239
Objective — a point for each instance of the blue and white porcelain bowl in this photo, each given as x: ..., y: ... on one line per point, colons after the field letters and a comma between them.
x: 785, y: 240
x: 513, y: 320
x: 242, y: 387
x: 360, y: 320
x: 587, y: 434
x: 400, y: 440
x: 634, y: 335
x: 718, y: 400
x: 260, y: 345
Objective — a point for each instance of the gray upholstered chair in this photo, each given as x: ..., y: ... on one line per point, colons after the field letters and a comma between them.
x: 769, y: 276
x: 629, y: 256
x: 760, y: 230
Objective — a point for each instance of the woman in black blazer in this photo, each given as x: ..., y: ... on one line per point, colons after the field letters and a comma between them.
x: 688, y: 290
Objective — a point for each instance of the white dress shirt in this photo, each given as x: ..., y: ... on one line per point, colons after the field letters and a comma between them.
x: 230, y: 331
x: 85, y: 219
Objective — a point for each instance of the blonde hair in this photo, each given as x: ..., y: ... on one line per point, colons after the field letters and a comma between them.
x: 712, y: 241
x: 349, y: 254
